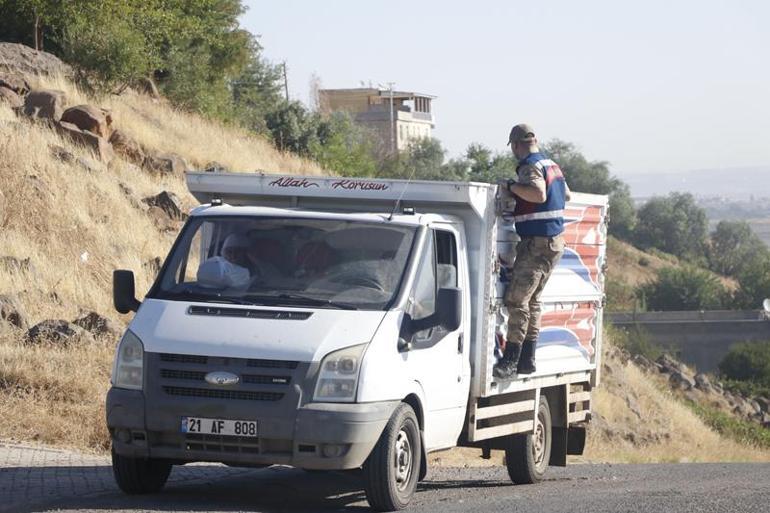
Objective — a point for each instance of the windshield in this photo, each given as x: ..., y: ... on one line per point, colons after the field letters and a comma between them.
x: 302, y: 262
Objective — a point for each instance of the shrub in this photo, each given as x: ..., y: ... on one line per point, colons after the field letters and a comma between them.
x: 748, y: 361
x: 685, y: 288
x: 634, y: 340
x: 742, y: 431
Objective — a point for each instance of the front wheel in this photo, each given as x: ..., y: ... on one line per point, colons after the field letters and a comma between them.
x: 392, y: 469
x: 139, y: 475
x: 526, y: 456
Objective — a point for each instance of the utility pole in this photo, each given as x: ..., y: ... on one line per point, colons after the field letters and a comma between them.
x: 285, y: 82
x: 392, y: 122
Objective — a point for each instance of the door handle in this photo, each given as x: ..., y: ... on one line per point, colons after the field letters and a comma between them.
x: 460, y: 344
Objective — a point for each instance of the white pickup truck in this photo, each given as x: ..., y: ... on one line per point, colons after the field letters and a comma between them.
x: 342, y: 323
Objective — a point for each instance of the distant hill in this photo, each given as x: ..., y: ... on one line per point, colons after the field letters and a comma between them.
x: 738, y: 183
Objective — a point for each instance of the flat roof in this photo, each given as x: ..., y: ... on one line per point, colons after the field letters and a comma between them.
x: 380, y: 92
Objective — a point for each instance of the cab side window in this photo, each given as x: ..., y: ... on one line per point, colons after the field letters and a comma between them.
x: 446, y: 259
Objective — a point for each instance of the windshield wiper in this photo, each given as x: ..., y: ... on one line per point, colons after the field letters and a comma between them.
x: 308, y: 300
x: 189, y: 295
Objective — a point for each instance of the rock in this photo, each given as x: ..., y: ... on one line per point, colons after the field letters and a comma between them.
x: 12, y: 312
x: 99, y: 145
x: 633, y: 406
x: 165, y: 163
x: 743, y: 408
x: 45, y: 104
x: 16, y: 265
x: 681, y: 380
x: 127, y: 147
x: 23, y: 60
x: 88, y: 164
x: 147, y: 86
x: 669, y: 364
x: 87, y: 117
x: 15, y: 82
x: 57, y: 331
x: 765, y: 420
x: 764, y: 403
x: 642, y: 362
x: 11, y: 98
x: 161, y: 219
x: 168, y: 202
x: 702, y: 382
x: 98, y: 325
x: 754, y: 406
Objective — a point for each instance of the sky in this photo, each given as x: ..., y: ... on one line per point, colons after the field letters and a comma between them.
x: 651, y: 87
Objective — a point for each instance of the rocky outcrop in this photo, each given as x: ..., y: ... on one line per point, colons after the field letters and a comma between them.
x: 168, y: 203
x: 55, y: 331
x: 89, y: 118
x: 98, y: 325
x: 11, y: 98
x: 165, y: 163
x: 99, y: 145
x: 24, y: 60
x: 45, y: 104
x: 15, y: 82
x: 12, y: 312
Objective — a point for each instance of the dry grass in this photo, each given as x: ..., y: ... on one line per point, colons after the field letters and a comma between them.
x: 665, y: 431
x: 55, y: 395
x: 76, y: 226
x: 635, y: 267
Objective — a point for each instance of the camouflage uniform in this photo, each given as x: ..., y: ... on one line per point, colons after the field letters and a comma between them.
x: 536, y: 258
x: 540, y: 226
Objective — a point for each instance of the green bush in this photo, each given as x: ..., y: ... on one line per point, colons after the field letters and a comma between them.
x: 745, y: 388
x: 742, y: 431
x: 621, y: 297
x: 685, y: 288
x: 748, y: 361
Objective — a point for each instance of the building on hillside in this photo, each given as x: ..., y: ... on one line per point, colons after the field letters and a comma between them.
x: 398, y: 118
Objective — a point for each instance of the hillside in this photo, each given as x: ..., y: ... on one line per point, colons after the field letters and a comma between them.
x: 68, y: 220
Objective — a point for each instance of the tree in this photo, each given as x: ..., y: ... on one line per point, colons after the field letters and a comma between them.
x: 686, y: 288
x: 674, y: 224
x: 343, y: 146
x: 733, y: 247
x: 754, y: 281
x: 423, y: 160
x: 594, y: 177
x: 489, y: 167
x: 748, y: 361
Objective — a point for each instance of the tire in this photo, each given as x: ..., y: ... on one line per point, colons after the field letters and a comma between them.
x: 526, y: 456
x: 137, y: 475
x: 392, y: 469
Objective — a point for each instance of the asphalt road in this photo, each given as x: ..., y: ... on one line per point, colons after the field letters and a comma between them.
x: 579, y: 488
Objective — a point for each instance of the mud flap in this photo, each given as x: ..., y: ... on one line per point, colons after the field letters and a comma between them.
x: 576, y: 440
x: 559, y: 443
x: 424, y: 462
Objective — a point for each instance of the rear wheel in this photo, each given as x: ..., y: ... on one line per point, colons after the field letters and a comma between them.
x: 526, y: 456
x: 392, y: 469
x: 139, y: 475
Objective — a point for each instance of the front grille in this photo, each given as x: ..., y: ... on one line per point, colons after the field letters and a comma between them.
x: 273, y: 364
x: 183, y: 358
x: 243, y: 395
x: 245, y: 378
x: 221, y: 443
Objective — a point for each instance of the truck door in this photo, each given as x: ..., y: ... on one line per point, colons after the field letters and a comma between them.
x: 436, y: 358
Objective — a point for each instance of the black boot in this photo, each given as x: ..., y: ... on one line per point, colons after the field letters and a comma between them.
x: 506, y: 367
x: 527, y: 360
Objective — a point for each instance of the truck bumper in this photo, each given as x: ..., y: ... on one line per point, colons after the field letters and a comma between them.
x: 313, y: 436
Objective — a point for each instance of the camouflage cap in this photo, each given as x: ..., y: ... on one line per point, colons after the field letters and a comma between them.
x: 521, y: 133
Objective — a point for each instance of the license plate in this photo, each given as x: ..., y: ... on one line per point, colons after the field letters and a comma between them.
x: 219, y: 426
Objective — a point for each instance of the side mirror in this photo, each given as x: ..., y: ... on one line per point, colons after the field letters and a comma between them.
x: 123, y: 292
x: 449, y: 308
x: 448, y: 315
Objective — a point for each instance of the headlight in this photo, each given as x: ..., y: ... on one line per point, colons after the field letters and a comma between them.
x: 129, y: 363
x: 338, y: 377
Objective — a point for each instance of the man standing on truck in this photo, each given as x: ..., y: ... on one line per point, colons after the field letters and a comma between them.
x: 541, y: 193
